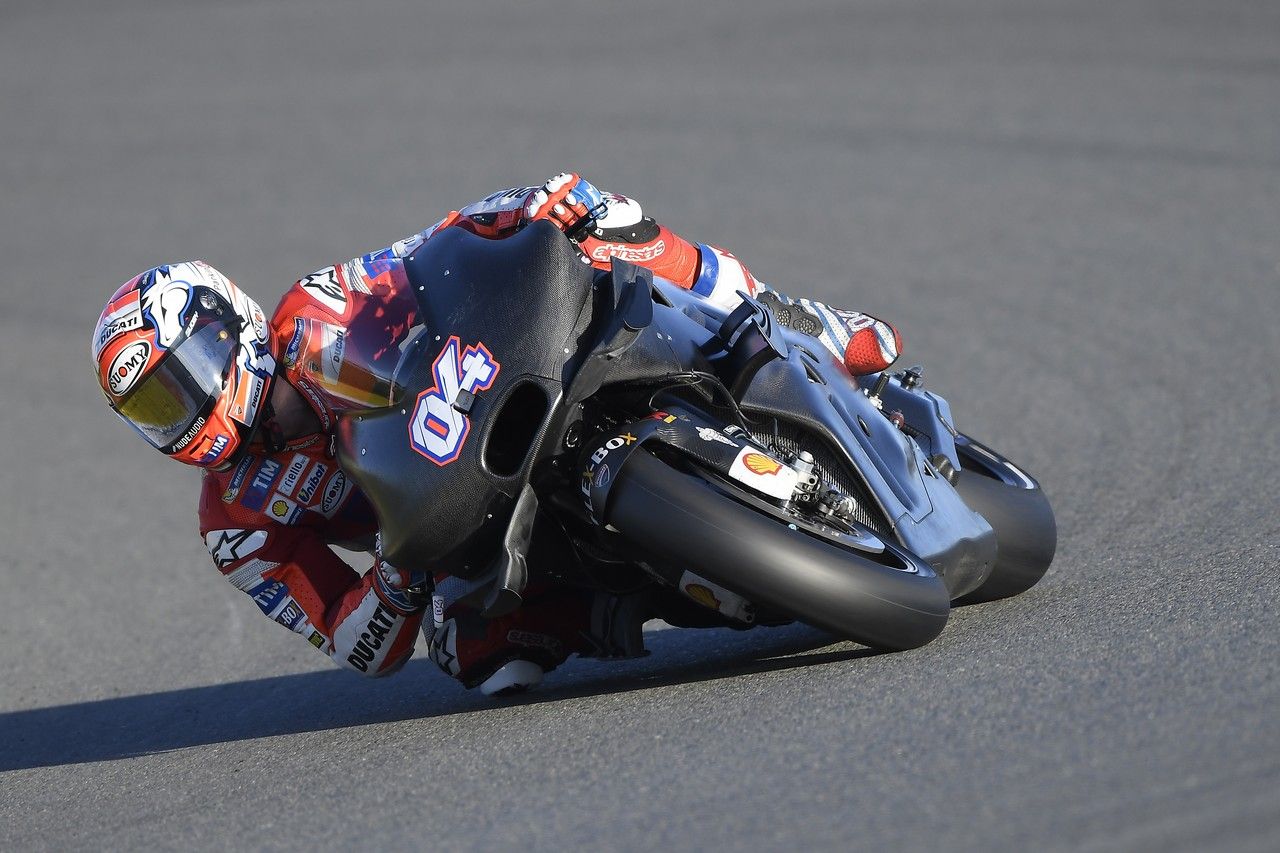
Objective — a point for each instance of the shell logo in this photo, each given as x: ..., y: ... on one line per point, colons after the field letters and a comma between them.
x: 279, y: 509
x: 703, y: 595
x: 758, y: 463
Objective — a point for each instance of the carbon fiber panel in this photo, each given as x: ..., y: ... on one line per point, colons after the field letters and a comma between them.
x: 790, y: 440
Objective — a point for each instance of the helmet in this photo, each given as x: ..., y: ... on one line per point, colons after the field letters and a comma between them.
x: 187, y: 360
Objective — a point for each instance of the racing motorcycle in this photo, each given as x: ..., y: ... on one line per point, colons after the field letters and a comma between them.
x: 614, y: 431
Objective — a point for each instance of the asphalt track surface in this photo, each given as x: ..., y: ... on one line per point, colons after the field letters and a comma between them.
x: 1072, y: 210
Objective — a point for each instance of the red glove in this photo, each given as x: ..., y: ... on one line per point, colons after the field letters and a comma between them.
x: 567, y: 200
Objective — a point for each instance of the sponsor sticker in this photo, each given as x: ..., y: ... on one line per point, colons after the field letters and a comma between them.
x: 758, y: 463
x: 311, y: 485
x: 335, y: 492
x: 763, y: 474
x: 291, y: 615
x: 702, y: 594
x: 260, y: 486
x: 269, y: 595
x: 716, y: 597
x: 602, y: 476
x: 295, y: 343
x: 283, y: 510
x: 237, y: 479
x: 127, y: 366
x: 293, y: 473
x: 189, y: 435
x: 709, y: 434
x: 596, y: 474
x: 219, y: 445
x: 250, y: 392
x: 116, y: 323
x: 333, y: 345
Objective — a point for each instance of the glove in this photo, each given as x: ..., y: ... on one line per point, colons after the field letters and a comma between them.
x: 404, y: 591
x: 572, y: 203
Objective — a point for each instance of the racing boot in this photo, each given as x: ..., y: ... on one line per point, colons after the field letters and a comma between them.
x: 512, y: 653
x: 864, y: 343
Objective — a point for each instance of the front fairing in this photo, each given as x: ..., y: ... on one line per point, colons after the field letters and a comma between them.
x: 499, y: 325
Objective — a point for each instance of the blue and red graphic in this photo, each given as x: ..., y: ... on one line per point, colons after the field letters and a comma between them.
x: 256, y: 495
x: 437, y: 430
x: 377, y: 263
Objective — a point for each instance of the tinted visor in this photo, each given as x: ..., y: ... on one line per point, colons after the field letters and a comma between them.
x: 167, y: 404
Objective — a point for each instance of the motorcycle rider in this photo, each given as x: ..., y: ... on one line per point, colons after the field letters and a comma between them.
x: 195, y: 366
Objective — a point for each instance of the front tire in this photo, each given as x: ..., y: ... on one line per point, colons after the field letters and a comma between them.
x: 891, y: 601
x: 1015, y: 506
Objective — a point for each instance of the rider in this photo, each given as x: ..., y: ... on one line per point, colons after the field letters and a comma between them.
x: 195, y: 366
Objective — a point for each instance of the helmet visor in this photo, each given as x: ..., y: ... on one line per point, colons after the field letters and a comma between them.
x: 169, y: 406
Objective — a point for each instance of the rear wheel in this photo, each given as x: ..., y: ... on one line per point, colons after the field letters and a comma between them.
x: 852, y: 584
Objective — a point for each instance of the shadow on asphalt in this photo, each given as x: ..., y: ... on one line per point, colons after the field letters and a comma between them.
x: 130, y: 726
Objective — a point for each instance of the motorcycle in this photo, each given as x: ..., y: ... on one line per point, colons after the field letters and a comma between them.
x: 614, y: 431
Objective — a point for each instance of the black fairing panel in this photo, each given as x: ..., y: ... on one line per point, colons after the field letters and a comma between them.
x: 527, y: 299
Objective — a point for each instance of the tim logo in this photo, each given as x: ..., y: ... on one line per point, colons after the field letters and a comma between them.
x: 437, y: 430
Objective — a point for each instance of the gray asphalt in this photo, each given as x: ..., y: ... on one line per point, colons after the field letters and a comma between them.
x: 1072, y: 211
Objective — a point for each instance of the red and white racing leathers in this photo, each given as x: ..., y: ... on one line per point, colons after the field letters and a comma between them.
x: 269, y: 522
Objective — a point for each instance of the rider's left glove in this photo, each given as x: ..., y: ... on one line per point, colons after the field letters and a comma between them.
x: 572, y: 203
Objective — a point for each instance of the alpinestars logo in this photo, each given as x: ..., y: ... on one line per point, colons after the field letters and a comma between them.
x: 437, y: 430
x: 229, y: 546
x: 634, y: 254
x: 324, y: 286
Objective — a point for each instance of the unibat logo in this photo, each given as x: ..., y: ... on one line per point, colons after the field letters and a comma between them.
x: 437, y: 430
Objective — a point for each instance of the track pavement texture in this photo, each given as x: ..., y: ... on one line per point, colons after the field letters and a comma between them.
x: 1072, y: 210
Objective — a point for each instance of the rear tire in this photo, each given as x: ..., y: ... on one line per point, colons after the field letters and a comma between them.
x: 890, y: 601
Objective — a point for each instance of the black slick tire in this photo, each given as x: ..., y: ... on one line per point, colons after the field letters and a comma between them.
x: 1026, y: 533
x: 682, y: 520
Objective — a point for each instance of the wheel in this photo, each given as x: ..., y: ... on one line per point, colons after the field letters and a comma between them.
x: 853, y: 585
x: 1015, y: 506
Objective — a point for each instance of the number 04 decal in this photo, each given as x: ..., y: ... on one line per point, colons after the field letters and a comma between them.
x: 437, y: 430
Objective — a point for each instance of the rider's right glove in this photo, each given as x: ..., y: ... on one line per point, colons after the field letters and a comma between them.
x: 572, y: 203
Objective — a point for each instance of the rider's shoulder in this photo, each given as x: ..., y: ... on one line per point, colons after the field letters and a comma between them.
x: 324, y: 294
